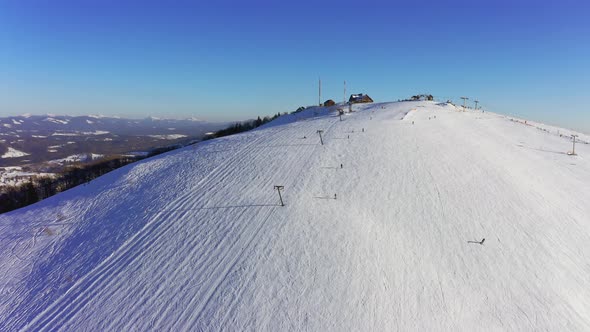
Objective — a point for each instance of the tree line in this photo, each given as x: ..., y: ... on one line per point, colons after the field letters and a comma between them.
x: 39, y: 188
x: 240, y: 127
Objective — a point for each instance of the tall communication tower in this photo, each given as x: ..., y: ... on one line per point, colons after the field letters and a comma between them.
x: 320, y: 91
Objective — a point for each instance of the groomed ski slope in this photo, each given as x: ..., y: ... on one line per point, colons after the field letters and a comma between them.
x: 195, y: 239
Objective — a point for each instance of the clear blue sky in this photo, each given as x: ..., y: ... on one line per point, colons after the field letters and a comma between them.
x: 234, y: 60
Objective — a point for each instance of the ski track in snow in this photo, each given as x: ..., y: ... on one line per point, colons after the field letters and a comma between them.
x: 179, y: 209
x: 196, y: 240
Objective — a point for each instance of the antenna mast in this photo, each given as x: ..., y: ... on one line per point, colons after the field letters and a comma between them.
x: 320, y: 91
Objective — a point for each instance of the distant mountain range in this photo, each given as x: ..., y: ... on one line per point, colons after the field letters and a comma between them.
x: 31, y: 139
x: 54, y: 124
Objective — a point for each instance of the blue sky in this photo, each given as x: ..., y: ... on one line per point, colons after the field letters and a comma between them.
x: 228, y: 60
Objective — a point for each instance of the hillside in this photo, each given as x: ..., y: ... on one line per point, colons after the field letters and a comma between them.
x: 195, y: 239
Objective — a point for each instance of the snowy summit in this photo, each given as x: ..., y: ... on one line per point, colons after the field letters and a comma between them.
x: 382, y: 228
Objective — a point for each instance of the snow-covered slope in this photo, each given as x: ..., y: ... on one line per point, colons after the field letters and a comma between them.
x: 13, y: 153
x: 374, y: 234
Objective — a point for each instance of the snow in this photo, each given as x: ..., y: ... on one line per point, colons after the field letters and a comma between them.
x: 168, y: 137
x: 15, y: 176
x: 96, y: 132
x: 60, y: 145
x: 81, y: 157
x: 57, y: 121
x: 11, y: 168
x: 137, y: 154
x: 565, y: 133
x: 66, y: 134
x: 194, y: 239
x: 13, y: 153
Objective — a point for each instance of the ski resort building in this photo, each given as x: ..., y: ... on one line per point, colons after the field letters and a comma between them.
x: 360, y: 98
